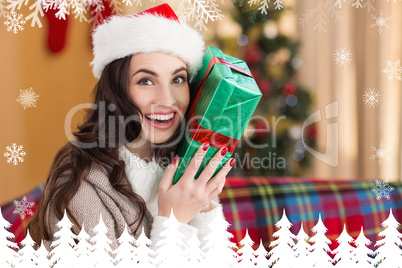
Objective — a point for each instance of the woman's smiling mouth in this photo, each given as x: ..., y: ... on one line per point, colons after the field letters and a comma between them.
x: 160, y: 120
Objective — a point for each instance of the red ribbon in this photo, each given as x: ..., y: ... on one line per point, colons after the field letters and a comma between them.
x: 201, y: 134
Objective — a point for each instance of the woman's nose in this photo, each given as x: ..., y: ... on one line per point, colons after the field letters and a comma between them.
x: 165, y: 94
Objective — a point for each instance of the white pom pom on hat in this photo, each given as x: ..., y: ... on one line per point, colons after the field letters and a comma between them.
x: 154, y: 30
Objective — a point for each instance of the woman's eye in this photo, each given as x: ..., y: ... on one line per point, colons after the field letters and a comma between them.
x: 179, y: 80
x: 145, y: 82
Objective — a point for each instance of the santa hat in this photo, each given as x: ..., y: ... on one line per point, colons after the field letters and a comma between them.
x: 154, y: 30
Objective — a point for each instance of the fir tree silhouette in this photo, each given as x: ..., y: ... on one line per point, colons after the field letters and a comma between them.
x: 143, y: 254
x: 218, y: 249
x: 319, y: 256
x: 62, y: 248
x: 303, y: 247
x: 170, y: 249
x: 282, y: 253
x: 261, y: 255
x: 345, y: 251
x: 8, y: 254
x: 125, y: 252
x: 82, y: 249
x: 42, y: 256
x: 27, y: 253
x: 389, y: 252
x: 362, y: 252
x: 195, y: 255
x: 246, y: 257
x: 101, y: 246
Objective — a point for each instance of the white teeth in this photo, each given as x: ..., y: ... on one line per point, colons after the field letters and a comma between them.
x: 160, y: 116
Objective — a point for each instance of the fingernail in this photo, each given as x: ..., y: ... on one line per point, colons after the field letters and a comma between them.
x: 174, y: 161
x: 232, y: 161
x: 224, y: 151
x: 205, y: 146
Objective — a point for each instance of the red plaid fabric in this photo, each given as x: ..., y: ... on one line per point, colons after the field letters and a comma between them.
x: 257, y: 204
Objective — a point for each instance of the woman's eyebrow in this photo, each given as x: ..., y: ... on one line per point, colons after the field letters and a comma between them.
x: 179, y: 70
x: 146, y: 71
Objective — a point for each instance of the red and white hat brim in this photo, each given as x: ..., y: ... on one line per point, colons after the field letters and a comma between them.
x: 123, y: 36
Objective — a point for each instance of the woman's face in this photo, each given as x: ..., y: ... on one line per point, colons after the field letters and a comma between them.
x: 159, y: 88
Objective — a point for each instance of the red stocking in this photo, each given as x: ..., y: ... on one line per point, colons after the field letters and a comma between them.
x: 56, y: 38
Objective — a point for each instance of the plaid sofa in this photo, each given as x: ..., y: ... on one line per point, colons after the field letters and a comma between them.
x: 257, y: 204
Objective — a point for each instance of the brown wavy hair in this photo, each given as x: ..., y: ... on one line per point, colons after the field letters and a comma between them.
x: 73, y: 162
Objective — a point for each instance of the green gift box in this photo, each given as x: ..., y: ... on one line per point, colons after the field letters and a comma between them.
x: 226, y: 98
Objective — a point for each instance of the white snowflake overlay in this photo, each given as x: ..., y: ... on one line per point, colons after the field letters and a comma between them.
x: 199, y: 11
x: 342, y: 57
x: 372, y: 97
x: 393, y: 70
x: 262, y: 7
x: 369, y: 4
x: 380, y: 22
x: 15, y: 154
x: 27, y: 98
x: 380, y: 153
x: 318, y: 15
x: 382, y: 189
x: 14, y: 22
x: 23, y: 207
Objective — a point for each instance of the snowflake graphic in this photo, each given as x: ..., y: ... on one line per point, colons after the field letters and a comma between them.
x: 14, y: 23
x: 380, y: 22
x: 27, y: 98
x: 382, y: 189
x: 318, y: 15
x: 369, y: 4
x: 23, y: 207
x: 342, y: 57
x: 372, y: 97
x: 199, y: 11
x: 380, y: 153
x: 394, y: 70
x: 15, y: 154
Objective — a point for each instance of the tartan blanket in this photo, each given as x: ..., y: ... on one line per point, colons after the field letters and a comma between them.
x: 257, y: 204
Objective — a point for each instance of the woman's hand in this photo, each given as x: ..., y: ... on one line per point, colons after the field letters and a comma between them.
x: 188, y: 196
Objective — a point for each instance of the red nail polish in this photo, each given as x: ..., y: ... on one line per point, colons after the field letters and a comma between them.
x: 232, y: 161
x: 224, y: 151
x: 205, y: 146
x: 174, y: 161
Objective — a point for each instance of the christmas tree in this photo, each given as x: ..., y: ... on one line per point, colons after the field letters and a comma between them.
x: 389, y: 252
x: 261, y: 256
x: 125, y: 252
x: 8, y: 256
x: 42, y: 256
x: 345, y: 251
x: 217, y: 245
x: 82, y: 249
x: 143, y: 253
x: 27, y: 252
x: 171, y: 248
x: 283, y: 254
x: 246, y: 257
x: 319, y: 256
x: 63, y: 252
x: 362, y: 252
x: 302, y: 247
x: 195, y: 255
x: 274, y: 142
x: 101, y: 246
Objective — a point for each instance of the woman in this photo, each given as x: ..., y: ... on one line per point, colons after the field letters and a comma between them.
x: 144, y: 64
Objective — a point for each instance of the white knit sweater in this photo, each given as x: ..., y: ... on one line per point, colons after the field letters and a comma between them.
x: 144, y: 178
